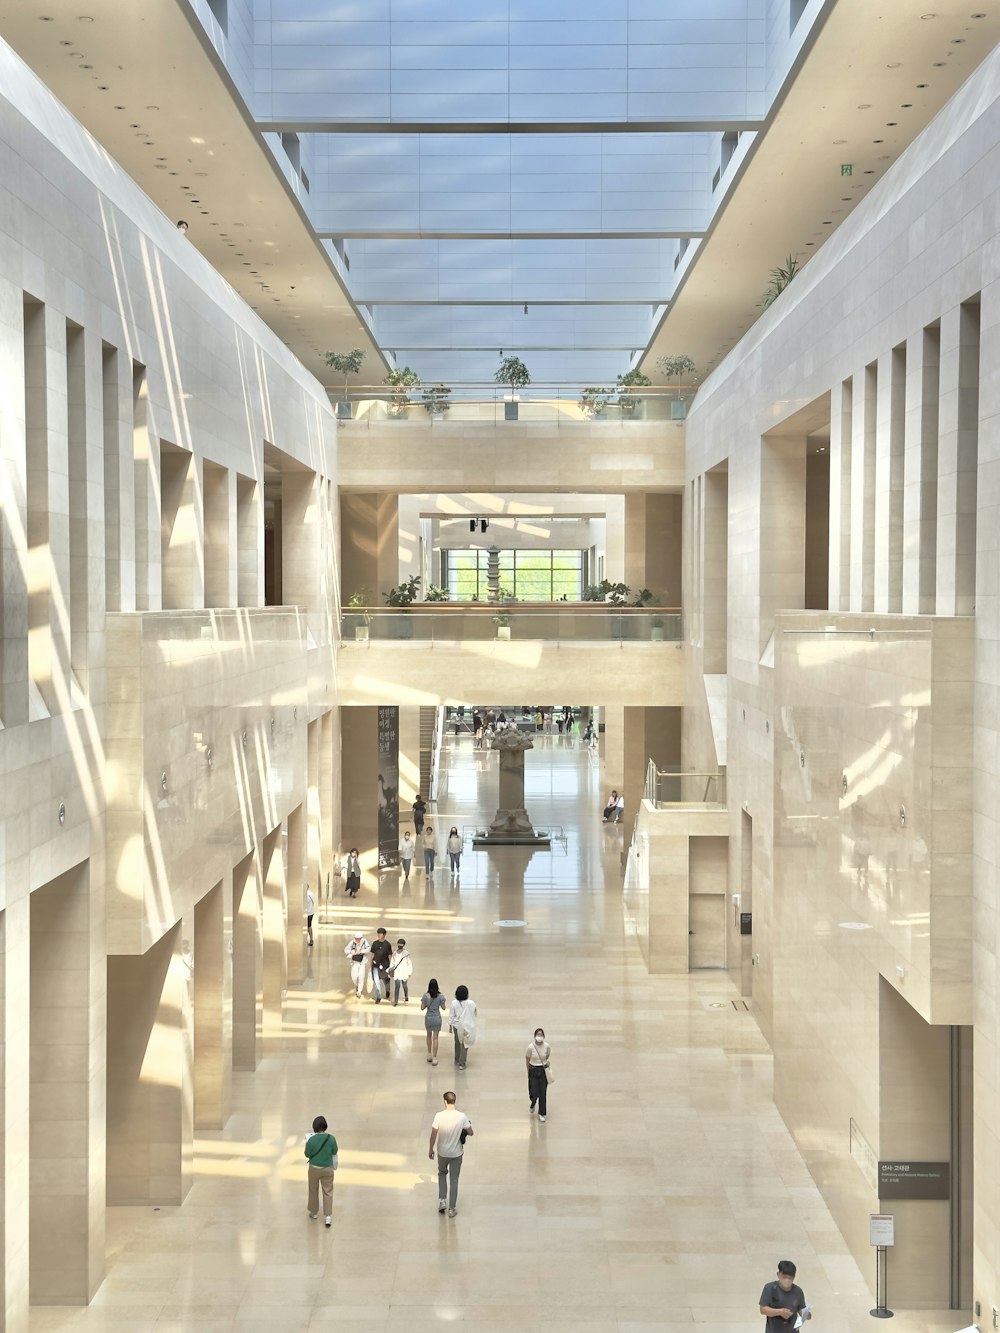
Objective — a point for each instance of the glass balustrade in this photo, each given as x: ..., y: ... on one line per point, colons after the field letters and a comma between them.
x: 556, y: 404
x: 473, y: 623
x: 669, y: 788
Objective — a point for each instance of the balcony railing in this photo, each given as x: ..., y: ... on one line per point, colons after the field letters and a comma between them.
x: 493, y: 404
x: 668, y: 788
x: 475, y: 622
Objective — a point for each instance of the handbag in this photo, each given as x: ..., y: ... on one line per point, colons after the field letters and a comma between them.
x: 549, y: 1076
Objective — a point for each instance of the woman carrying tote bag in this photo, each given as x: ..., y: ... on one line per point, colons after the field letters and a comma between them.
x: 540, y: 1074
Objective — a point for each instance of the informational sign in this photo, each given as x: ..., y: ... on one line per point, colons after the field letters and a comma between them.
x: 914, y: 1180
x: 847, y: 168
x: 880, y: 1229
x: 388, y: 787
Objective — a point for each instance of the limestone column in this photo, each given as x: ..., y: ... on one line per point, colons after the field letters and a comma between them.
x: 119, y: 481
x: 146, y: 479
x: 182, y: 531
x: 841, y: 437
x: 862, y: 529
x: 297, y: 877
x: 150, y: 1119
x: 783, y: 520
x: 67, y: 1091
x: 247, y: 963
x: 275, y: 980
x: 890, y: 423
x: 957, y: 462
x: 213, y: 1030
x: 220, y: 536
x: 369, y: 543
x: 249, y: 543
x: 329, y: 793
x: 923, y: 353
x: 15, y: 950
x: 653, y: 544
x: 359, y: 800
x: 409, y: 761
x: 614, y: 748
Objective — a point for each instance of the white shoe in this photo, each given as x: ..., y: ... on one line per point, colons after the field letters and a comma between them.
x: 441, y: 1205
x: 542, y: 1119
x: 327, y: 1221
x: 314, y: 1216
x: 452, y: 1212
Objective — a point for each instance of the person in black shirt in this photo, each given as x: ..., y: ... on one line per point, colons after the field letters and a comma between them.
x: 419, y: 810
x: 782, y: 1301
x: 381, y: 956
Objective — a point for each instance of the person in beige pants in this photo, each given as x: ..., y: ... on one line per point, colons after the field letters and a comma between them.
x: 321, y: 1150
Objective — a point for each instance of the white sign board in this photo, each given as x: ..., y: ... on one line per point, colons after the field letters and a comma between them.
x: 880, y: 1229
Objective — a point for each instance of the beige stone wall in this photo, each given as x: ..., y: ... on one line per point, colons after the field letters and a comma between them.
x: 145, y: 412
x: 874, y: 379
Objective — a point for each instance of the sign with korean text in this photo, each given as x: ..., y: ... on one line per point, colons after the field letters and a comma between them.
x: 388, y: 787
x: 914, y: 1180
x: 880, y: 1229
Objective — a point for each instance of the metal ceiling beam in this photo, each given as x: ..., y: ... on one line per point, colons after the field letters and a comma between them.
x: 329, y: 125
x: 529, y: 301
x: 650, y: 235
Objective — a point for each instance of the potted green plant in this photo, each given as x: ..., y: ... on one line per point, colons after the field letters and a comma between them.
x: 400, y: 380
x: 628, y: 401
x: 513, y: 372
x: 359, y: 602
x: 401, y: 599
x: 436, y: 402
x: 345, y: 363
x: 675, y: 369
x: 780, y: 278
x: 593, y: 402
x: 435, y: 594
x: 502, y: 622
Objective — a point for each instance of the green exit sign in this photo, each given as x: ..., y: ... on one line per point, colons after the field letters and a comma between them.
x: 847, y: 168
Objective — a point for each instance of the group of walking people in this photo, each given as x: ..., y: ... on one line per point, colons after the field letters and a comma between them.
x: 428, y: 843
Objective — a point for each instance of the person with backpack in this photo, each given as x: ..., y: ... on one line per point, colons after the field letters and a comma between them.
x: 321, y: 1151
x: 462, y: 1020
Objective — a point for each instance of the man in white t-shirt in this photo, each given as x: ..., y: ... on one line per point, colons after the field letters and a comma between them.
x: 449, y: 1130
x: 310, y: 912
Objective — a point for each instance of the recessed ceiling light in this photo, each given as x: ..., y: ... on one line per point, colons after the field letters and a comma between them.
x: 894, y: 64
x: 839, y: 141
x: 922, y: 85
x: 152, y: 108
x: 85, y: 18
x: 878, y: 141
x: 86, y: 67
x: 45, y: 18
x: 63, y: 42
x: 869, y: 172
x: 858, y: 925
x: 957, y: 41
x: 940, y: 64
x: 905, y: 105
x: 864, y: 106
x: 810, y: 242
x: 828, y: 224
x: 845, y: 198
x: 928, y: 16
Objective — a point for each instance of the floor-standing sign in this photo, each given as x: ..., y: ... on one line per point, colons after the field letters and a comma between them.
x: 388, y: 787
x: 880, y: 1235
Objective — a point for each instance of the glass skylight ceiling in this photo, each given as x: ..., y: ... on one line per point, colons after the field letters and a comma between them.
x: 470, y: 158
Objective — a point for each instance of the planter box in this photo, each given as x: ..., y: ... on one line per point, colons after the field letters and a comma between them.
x: 503, y: 631
x: 510, y: 411
x: 361, y: 633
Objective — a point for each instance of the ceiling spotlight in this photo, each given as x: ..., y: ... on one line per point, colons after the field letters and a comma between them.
x: 484, y: 523
x: 525, y: 307
x: 472, y: 525
x: 182, y: 225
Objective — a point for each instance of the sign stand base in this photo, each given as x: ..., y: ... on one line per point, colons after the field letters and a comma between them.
x: 880, y: 1312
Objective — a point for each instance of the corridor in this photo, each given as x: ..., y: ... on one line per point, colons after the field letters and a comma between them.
x: 659, y: 1195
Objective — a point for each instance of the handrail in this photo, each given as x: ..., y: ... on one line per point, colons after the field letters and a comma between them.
x: 491, y: 392
x: 512, y: 608
x: 658, y: 778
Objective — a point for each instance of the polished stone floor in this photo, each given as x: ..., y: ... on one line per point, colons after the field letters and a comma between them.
x: 658, y: 1196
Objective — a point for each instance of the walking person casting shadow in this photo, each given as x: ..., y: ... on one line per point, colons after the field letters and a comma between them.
x: 540, y: 1075
x: 432, y: 1003
x: 449, y: 1130
x: 321, y: 1151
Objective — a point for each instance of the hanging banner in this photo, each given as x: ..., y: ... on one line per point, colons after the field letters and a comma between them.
x: 388, y: 787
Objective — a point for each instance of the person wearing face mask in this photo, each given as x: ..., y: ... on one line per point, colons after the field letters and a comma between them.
x: 536, y: 1057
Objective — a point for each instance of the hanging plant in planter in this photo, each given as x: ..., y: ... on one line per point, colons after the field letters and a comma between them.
x: 436, y: 399
x: 593, y: 402
x: 780, y: 278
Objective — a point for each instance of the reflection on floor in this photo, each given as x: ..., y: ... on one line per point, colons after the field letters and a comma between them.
x: 659, y: 1194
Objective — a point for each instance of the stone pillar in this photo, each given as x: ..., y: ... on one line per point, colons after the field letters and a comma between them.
x: 409, y: 762
x: 923, y: 371
x: 275, y: 978
x: 213, y: 1029
x: 511, y: 819
x: 862, y: 527
x: 221, y: 559
x: 649, y: 733
x: 841, y: 412
x: 957, y: 461
x: 247, y: 963
x: 182, y: 529
x: 297, y: 877
x: 68, y: 1078
x: 783, y: 519
x: 369, y: 543
x: 653, y: 544
x: 15, y: 945
x: 150, y: 1112
x: 890, y: 422
x: 249, y: 543
x: 359, y: 801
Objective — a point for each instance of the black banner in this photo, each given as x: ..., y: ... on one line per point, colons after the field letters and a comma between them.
x: 388, y: 787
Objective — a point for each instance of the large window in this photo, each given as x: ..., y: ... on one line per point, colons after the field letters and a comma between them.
x: 530, y: 576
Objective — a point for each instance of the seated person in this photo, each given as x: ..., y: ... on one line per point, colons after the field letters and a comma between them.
x: 619, y: 809
x: 611, y: 806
